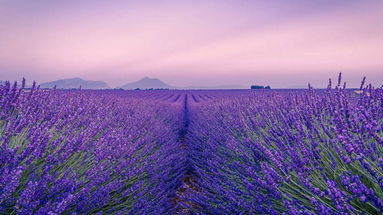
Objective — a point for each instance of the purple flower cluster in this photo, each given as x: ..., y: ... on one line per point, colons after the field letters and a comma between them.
x: 81, y: 152
x: 191, y: 152
x: 295, y: 151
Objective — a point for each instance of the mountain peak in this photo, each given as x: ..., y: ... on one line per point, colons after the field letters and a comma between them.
x: 148, y: 79
x: 147, y: 83
x: 74, y: 79
x: 71, y: 83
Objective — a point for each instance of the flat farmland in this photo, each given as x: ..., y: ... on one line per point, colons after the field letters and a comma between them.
x: 191, y: 151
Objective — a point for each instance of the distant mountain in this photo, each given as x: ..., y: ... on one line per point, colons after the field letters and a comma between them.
x: 74, y: 83
x: 147, y: 83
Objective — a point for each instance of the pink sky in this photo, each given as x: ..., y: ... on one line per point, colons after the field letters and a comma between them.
x: 279, y: 43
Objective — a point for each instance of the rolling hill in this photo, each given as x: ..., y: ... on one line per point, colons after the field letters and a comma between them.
x: 73, y: 83
x: 147, y: 83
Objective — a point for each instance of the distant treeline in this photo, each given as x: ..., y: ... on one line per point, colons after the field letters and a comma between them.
x: 257, y: 87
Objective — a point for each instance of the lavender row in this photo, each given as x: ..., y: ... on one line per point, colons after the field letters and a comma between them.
x: 295, y: 152
x: 191, y: 152
x: 81, y: 152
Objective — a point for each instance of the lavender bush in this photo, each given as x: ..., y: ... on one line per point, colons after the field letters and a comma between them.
x: 191, y: 152
x: 294, y: 152
x: 82, y: 151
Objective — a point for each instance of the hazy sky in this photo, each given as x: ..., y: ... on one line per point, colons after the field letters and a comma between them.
x: 282, y: 43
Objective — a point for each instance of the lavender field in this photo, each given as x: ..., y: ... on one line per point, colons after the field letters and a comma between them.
x: 191, y: 151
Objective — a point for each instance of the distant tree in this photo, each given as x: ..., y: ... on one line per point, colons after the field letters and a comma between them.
x: 258, y: 87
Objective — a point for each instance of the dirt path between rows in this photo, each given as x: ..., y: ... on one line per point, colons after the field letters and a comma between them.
x: 189, y: 182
